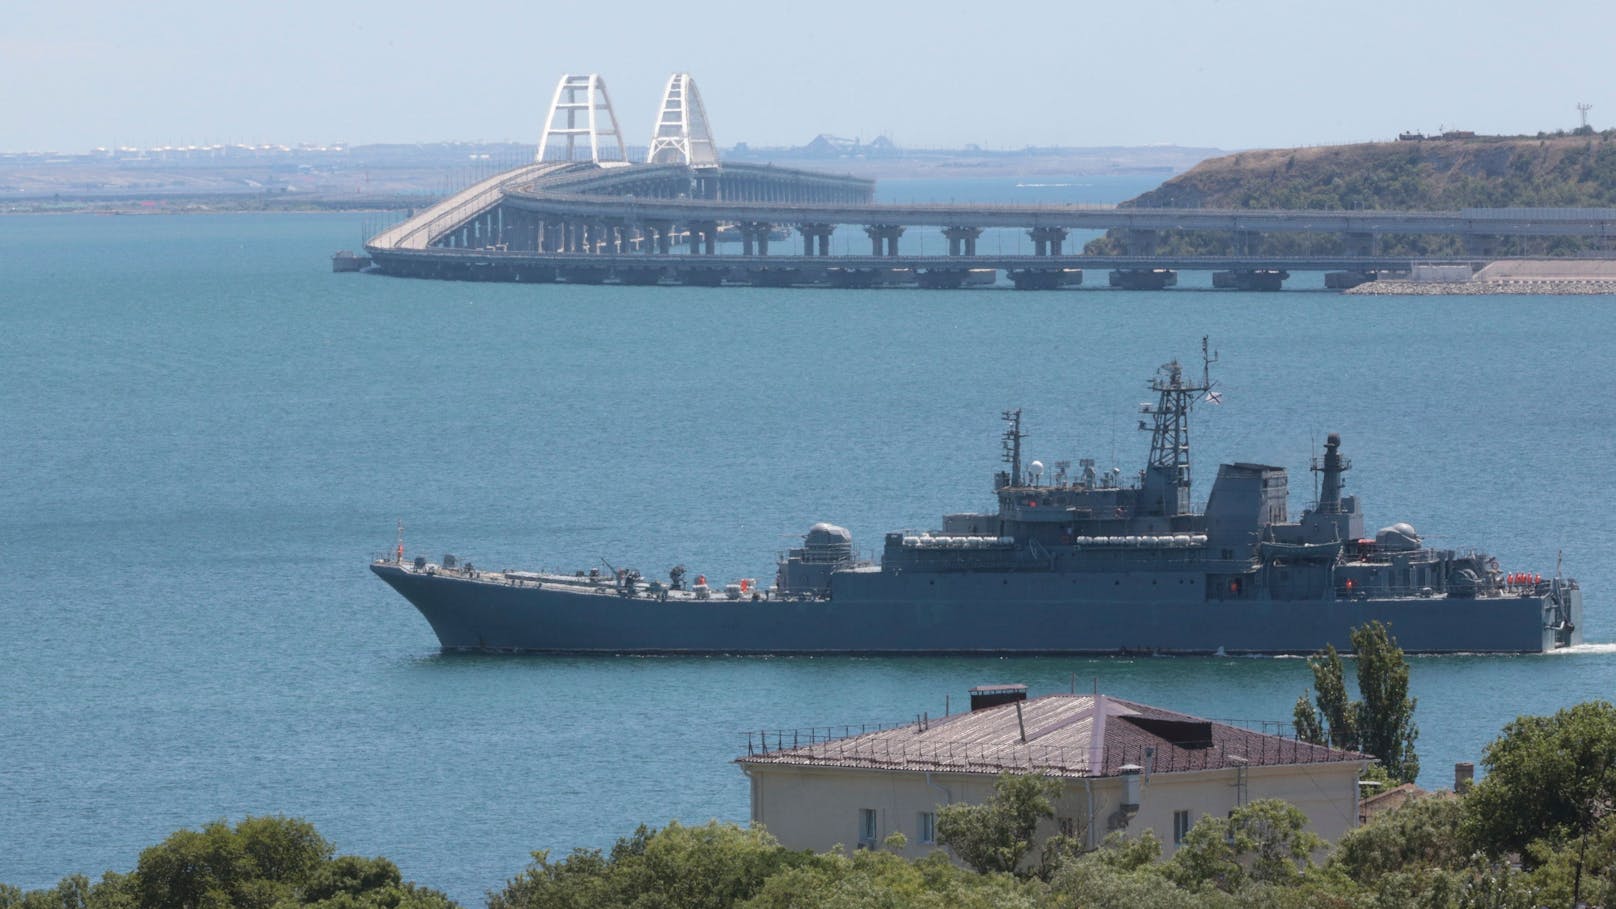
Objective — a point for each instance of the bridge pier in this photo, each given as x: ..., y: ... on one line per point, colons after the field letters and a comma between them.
x: 1046, y: 241
x: 962, y: 240
x: 1346, y: 280
x: 884, y: 238
x: 816, y: 235
x: 1264, y: 279
x: 754, y: 235
x: 703, y: 237
x: 1045, y: 278
x: 1139, y: 242
x: 1364, y: 243
x: 1143, y: 278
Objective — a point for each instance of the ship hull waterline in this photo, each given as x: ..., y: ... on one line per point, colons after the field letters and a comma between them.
x: 495, y: 616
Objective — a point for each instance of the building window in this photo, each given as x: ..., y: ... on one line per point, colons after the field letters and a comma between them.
x: 926, y: 828
x: 1068, y: 828
x: 1181, y: 826
x: 867, y: 827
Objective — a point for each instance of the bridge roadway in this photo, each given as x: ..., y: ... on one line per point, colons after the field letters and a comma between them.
x: 1039, y: 272
x: 1591, y: 223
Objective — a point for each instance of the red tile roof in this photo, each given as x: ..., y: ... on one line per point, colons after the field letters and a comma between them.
x: 1061, y: 735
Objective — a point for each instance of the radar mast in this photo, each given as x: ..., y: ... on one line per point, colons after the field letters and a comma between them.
x: 1166, y: 487
x: 1012, y: 445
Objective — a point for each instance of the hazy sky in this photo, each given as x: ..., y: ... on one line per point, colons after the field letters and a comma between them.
x: 1232, y: 74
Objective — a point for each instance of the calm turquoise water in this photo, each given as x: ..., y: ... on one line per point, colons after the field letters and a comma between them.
x: 204, y: 435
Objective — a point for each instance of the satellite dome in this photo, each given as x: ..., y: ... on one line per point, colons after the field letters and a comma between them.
x: 1399, y: 537
x: 825, y: 533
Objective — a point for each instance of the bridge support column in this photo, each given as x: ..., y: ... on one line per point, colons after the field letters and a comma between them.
x: 1363, y: 244
x: 754, y: 236
x: 1139, y: 242
x: 816, y: 236
x: 658, y: 237
x: 1046, y: 241
x: 703, y: 237
x: 884, y: 238
x: 962, y: 240
x: 1266, y: 279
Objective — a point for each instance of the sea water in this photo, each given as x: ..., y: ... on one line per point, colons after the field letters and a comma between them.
x: 205, y: 434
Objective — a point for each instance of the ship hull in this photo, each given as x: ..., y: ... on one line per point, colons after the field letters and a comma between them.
x: 882, y: 614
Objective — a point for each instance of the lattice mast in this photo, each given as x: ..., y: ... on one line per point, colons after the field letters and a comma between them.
x: 682, y: 134
x: 582, y: 98
x: 1011, y: 443
x: 1165, y: 489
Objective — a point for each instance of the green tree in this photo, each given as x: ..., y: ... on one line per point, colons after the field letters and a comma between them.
x: 997, y: 834
x: 1385, y: 715
x: 1264, y: 842
x: 1550, y: 781
x: 708, y: 867
x: 871, y: 879
x: 1335, y: 723
x: 1417, y: 836
x: 261, y: 863
x: 1382, y: 722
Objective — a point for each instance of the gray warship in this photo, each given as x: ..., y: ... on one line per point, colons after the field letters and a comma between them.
x: 1081, y: 564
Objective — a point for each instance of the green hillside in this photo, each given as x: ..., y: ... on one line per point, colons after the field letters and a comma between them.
x: 1429, y: 174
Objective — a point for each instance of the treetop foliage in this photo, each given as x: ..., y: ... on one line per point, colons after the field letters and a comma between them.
x: 1549, y: 779
x: 1382, y: 723
x: 1549, y: 797
x: 996, y: 835
x: 266, y: 862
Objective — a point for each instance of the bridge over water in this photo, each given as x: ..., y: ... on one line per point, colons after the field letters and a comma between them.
x: 679, y: 216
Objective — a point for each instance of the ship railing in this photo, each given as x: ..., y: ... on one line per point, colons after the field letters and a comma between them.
x: 793, y: 746
x: 1484, y: 592
x: 1378, y: 556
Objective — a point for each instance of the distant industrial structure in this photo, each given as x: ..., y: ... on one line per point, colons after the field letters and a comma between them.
x: 583, y: 212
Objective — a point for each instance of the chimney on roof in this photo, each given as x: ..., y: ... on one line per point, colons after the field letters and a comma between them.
x: 1464, y: 776
x: 984, y: 696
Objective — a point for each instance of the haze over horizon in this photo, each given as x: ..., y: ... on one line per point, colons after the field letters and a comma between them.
x: 1247, y: 74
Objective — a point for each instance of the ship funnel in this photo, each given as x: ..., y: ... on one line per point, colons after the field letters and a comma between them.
x: 985, y: 696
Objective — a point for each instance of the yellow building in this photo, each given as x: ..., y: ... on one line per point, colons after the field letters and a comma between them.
x: 1126, y: 766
